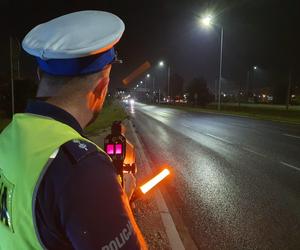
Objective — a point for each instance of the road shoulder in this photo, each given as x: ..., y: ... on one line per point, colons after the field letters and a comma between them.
x: 146, y: 212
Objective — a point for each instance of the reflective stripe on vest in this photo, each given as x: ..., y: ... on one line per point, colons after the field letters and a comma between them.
x: 27, y: 147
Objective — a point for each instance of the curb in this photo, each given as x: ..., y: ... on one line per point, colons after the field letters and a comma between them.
x: 168, y: 223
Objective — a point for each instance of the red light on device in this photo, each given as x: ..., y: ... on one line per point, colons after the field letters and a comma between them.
x: 118, y: 149
x: 110, y: 149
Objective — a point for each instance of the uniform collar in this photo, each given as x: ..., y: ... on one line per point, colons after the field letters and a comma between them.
x: 43, y: 108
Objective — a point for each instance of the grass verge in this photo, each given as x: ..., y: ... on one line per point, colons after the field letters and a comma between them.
x: 106, y: 117
x: 257, y: 112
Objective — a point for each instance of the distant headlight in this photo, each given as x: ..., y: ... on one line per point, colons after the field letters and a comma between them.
x: 131, y: 101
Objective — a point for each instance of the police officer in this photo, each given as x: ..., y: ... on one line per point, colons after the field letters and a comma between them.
x: 58, y: 190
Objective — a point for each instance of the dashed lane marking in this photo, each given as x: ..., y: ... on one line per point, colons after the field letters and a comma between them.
x: 219, y: 138
x: 253, y: 152
x: 187, y: 126
x: 289, y: 165
x: 293, y: 136
x: 164, y: 115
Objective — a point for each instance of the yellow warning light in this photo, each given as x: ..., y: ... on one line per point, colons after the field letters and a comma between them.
x: 154, y: 181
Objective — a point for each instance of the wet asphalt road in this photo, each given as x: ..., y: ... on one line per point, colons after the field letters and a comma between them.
x: 237, y: 180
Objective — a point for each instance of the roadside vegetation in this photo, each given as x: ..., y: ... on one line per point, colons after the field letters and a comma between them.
x: 197, y: 97
x: 258, y: 111
x: 111, y: 112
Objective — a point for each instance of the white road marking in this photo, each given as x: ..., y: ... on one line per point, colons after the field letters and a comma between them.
x: 253, y: 152
x: 289, y: 165
x: 187, y: 126
x: 219, y: 138
x: 167, y: 220
x: 293, y: 136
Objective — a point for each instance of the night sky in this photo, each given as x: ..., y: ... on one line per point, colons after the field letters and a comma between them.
x: 263, y: 33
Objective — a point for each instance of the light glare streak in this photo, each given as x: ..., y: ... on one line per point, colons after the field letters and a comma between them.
x: 154, y: 181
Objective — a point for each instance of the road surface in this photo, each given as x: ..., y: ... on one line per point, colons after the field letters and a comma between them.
x: 237, y: 180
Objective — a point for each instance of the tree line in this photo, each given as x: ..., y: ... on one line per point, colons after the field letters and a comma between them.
x: 196, y: 91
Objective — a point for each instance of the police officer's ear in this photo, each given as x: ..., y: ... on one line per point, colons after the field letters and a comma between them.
x: 96, y: 96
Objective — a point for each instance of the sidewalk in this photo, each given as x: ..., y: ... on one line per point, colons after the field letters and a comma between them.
x: 146, y: 211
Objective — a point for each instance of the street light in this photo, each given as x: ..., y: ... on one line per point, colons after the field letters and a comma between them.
x: 147, y: 80
x: 251, y: 72
x: 162, y: 64
x: 208, y: 21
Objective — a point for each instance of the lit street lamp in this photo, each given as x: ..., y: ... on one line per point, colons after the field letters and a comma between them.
x: 251, y: 70
x: 147, y: 80
x: 208, y: 21
x: 161, y: 64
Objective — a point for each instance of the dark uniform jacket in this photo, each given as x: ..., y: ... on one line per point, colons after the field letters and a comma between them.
x: 80, y: 204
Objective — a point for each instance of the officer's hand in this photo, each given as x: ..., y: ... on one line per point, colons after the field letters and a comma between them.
x: 129, y: 184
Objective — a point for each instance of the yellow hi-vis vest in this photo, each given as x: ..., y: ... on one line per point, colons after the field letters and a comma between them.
x: 26, y: 146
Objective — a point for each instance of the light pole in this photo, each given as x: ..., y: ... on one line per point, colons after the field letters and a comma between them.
x: 208, y: 21
x: 220, y: 69
x: 151, y: 77
x: 147, y: 80
x: 162, y: 64
x: 252, y: 69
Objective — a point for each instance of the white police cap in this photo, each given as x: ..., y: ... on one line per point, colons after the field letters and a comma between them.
x: 77, y: 43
